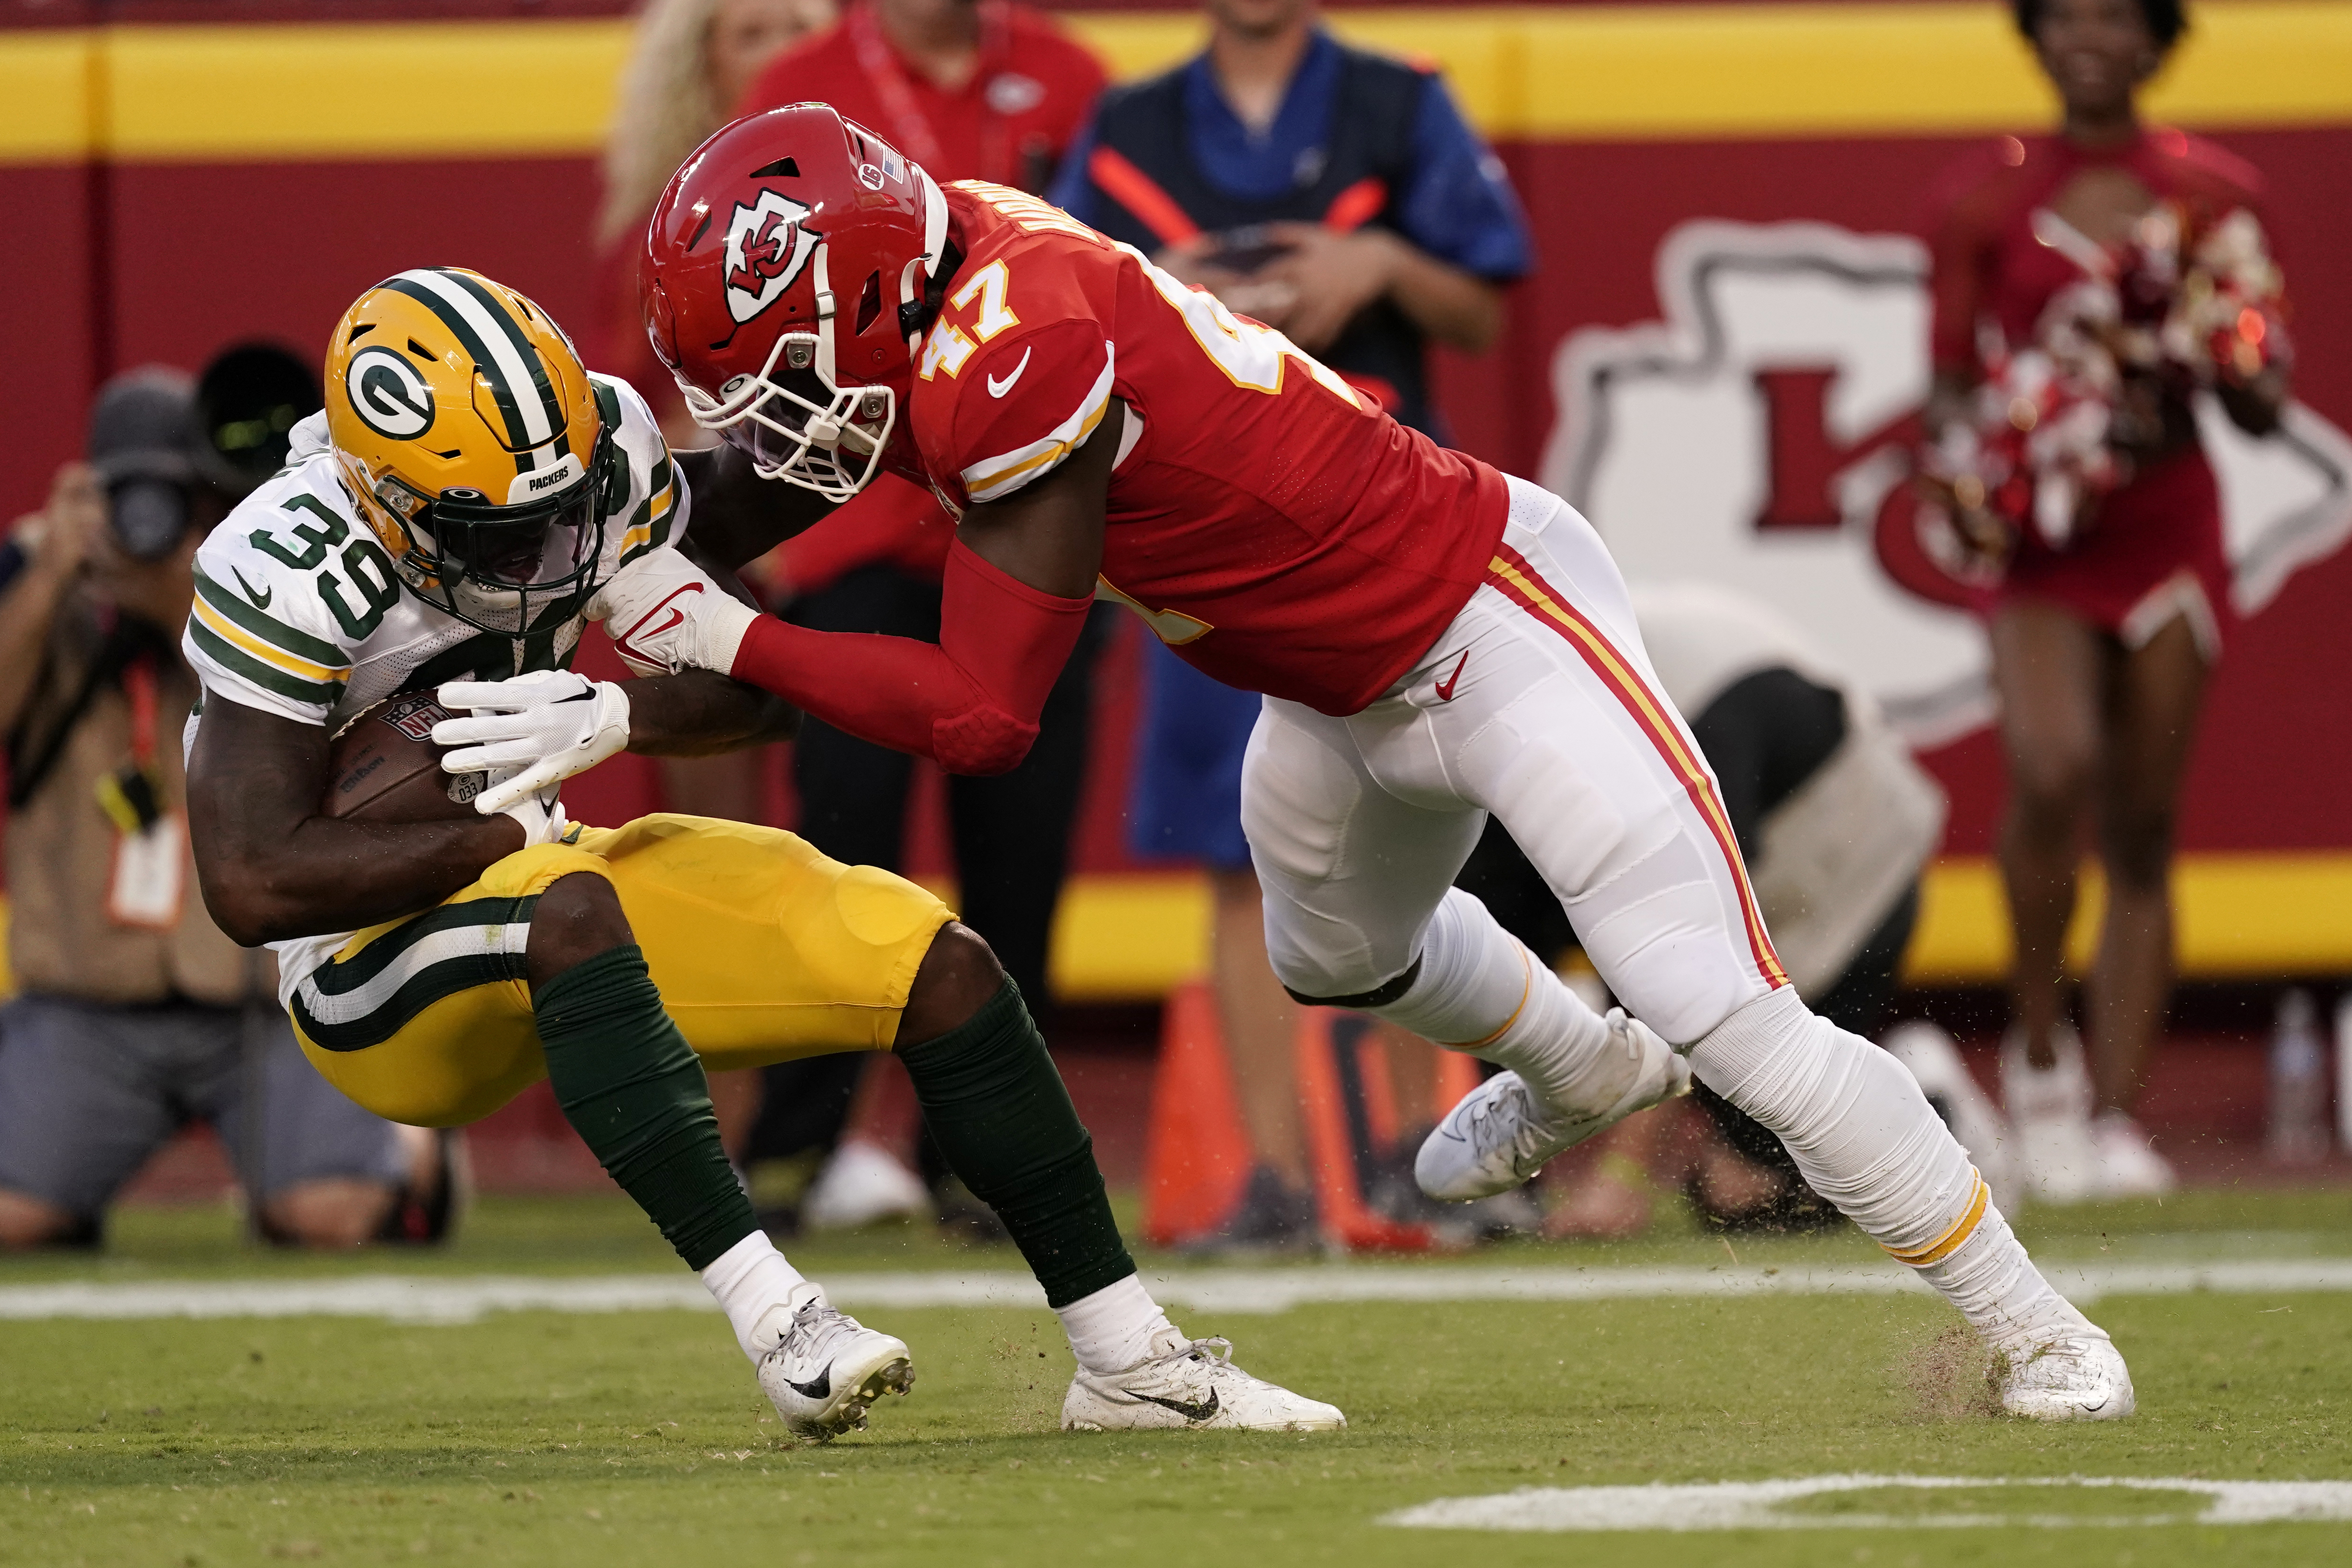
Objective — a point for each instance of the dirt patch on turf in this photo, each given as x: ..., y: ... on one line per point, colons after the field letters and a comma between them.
x: 1031, y: 1374
x: 1945, y: 1373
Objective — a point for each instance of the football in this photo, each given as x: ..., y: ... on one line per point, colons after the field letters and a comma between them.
x: 383, y: 767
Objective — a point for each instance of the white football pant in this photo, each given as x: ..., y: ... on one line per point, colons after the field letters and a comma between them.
x: 1539, y: 706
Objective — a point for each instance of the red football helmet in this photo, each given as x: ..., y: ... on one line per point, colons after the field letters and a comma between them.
x: 786, y: 283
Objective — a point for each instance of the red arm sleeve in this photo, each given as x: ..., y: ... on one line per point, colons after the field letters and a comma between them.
x: 971, y: 700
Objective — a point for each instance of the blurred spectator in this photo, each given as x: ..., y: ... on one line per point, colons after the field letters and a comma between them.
x: 1834, y: 821
x: 690, y: 64
x: 2100, y: 275
x: 972, y: 89
x: 1340, y: 196
x: 990, y: 91
x: 135, y: 1012
x: 1331, y: 193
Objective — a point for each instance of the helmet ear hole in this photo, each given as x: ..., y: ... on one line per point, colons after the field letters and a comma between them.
x: 869, y: 302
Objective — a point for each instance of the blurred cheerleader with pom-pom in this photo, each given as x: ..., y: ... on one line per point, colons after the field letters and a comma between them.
x: 2086, y: 287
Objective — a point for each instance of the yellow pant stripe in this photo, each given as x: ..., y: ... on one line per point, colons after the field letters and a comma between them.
x: 1936, y: 1251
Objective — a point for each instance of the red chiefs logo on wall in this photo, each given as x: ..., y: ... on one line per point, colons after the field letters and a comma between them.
x: 1751, y: 437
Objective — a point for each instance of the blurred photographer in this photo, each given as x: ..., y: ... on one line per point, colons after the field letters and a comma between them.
x: 129, y: 1019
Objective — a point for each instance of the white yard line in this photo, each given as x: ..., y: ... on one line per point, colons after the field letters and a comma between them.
x: 1759, y: 1505
x: 464, y: 1298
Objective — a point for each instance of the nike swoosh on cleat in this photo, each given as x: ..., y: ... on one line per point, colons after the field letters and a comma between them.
x: 999, y: 388
x: 1201, y: 1411
x: 1446, y: 686
x: 820, y: 1389
x: 260, y: 597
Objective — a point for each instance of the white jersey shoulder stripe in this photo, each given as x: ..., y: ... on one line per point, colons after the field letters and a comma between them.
x: 993, y: 479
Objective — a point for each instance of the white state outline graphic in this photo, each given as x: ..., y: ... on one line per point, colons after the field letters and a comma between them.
x: 1690, y: 342
x: 1755, y: 1505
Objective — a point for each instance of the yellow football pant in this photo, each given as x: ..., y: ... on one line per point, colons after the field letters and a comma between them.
x: 763, y: 951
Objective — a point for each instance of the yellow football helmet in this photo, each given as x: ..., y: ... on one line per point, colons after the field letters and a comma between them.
x: 468, y: 430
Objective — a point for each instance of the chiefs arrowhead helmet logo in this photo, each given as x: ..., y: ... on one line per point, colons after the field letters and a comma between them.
x: 766, y: 248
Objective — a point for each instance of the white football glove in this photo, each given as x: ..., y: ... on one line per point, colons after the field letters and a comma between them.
x: 664, y: 614
x: 541, y: 814
x: 530, y: 733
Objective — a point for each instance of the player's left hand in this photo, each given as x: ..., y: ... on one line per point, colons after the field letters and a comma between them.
x: 664, y: 614
x: 531, y: 732
x: 1335, y: 275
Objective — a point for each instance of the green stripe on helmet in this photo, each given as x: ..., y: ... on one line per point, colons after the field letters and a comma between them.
x: 499, y: 313
x: 485, y: 362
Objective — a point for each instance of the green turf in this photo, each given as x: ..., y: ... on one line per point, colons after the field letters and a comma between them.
x: 638, y: 1438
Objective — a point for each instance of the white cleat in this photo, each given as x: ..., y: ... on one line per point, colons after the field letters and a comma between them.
x: 828, y: 1368
x: 1193, y: 1384
x: 2129, y: 1166
x: 1497, y: 1137
x: 862, y: 1183
x: 2078, y: 1376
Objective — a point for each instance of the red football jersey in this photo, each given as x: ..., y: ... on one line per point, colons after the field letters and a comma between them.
x: 1269, y: 523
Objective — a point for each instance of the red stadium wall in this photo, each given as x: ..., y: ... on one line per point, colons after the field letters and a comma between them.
x: 121, y: 254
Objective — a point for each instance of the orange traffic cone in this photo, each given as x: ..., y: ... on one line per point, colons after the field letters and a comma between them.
x: 1343, y: 1092
x: 1457, y: 1075
x: 1197, y: 1156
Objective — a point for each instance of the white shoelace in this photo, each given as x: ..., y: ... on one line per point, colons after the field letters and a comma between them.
x: 817, y: 1328
x: 1491, y: 1130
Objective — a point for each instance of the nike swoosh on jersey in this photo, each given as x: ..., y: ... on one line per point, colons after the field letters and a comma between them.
x: 999, y: 388
x: 1198, y: 1411
x: 1446, y: 686
x: 260, y: 597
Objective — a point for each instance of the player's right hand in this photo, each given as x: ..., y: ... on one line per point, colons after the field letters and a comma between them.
x: 539, y: 814
x: 531, y: 732
x: 664, y: 614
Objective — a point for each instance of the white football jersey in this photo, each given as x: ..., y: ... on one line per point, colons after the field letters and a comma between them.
x: 299, y: 612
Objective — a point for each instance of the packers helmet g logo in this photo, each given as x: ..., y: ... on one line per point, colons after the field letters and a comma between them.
x: 766, y: 248
x: 390, y: 396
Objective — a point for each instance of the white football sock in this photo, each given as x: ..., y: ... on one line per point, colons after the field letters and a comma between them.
x: 1996, y: 1287
x: 749, y: 1279
x: 1482, y: 992
x: 1866, y: 1139
x: 1114, y: 1328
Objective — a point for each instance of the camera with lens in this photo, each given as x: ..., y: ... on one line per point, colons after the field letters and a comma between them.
x: 171, y: 452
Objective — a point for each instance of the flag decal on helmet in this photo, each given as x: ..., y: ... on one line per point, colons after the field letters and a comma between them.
x: 766, y: 248
x: 389, y: 394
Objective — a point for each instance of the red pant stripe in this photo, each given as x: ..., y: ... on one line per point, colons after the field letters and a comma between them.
x: 1520, y: 582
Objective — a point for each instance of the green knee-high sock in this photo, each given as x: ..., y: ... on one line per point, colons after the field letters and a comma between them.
x: 634, y: 1090
x: 1005, y: 1124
